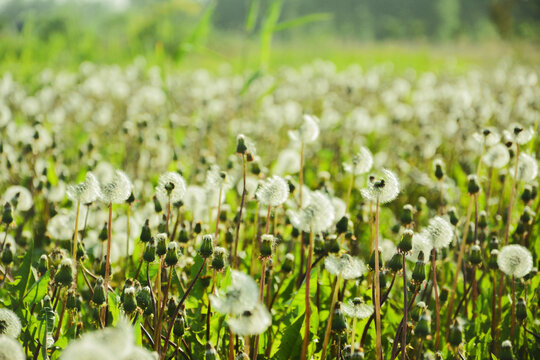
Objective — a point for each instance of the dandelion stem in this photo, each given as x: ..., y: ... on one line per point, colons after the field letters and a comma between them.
x: 307, y: 318
x: 377, y: 286
x: 513, y: 308
x: 335, y: 289
x: 405, y: 314
x: 349, y: 191
x: 239, y: 222
x: 261, y: 297
x: 301, y: 175
x: 168, y: 215
x: 128, y: 233
x: 107, y: 268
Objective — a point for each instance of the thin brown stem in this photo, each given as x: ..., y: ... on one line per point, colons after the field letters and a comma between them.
x: 335, y: 289
x: 307, y: 318
x: 239, y: 222
x: 377, y: 286
x: 107, y: 268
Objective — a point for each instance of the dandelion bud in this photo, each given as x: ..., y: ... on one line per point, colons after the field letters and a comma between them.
x: 438, y: 169
x: 229, y: 236
x: 358, y: 354
x: 162, y: 226
x: 267, y: 245
x: 183, y: 236
x: 492, y: 262
x: 145, y: 232
x: 7, y: 214
x: 149, y: 254
x: 64, y: 275
x: 131, y: 199
x: 81, y: 251
x: 455, y: 335
x: 332, y: 245
x: 526, y: 196
x: 171, y: 257
x: 144, y: 298
x: 395, y: 263
x: 241, y: 356
x: 372, y: 260
x: 452, y: 214
x: 210, y: 353
x: 218, y: 258
x: 419, y: 271
x: 207, y: 246
x: 99, y: 292
x: 346, y: 352
x: 171, y: 306
x: 506, y: 351
x: 319, y: 245
x: 407, y: 215
x: 339, y: 324
x: 161, y: 244
x: 405, y: 245
x: 521, y: 310
x: 130, y: 300
x: 482, y: 220
x: 73, y: 301
x: 475, y: 256
x: 527, y: 215
x: 43, y: 264
x: 342, y: 225
x: 157, y: 205
x: 418, y: 310
x: 288, y: 264
x: 493, y: 243
x: 473, y: 186
x: 423, y: 327
x: 241, y: 144
x: 197, y: 229
x: 7, y: 254
x: 104, y: 233
x: 179, y: 326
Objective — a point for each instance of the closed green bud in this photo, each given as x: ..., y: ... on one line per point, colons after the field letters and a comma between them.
x: 452, y: 214
x: 405, y: 245
x: 104, y: 233
x: 332, y: 245
x: 418, y: 310
x: 395, y: 263
x: 171, y: 306
x: 342, y: 225
x: 179, y: 326
x: 7, y: 254
x: 43, y: 264
x: 145, y: 232
x: 219, y: 258
x: 419, y: 271
x: 527, y: 215
x: 130, y: 300
x: 229, y: 236
x: 372, y: 260
x: 407, y: 215
x: 99, y: 292
x: 241, y: 144
x: 144, y: 298
x: 149, y: 254
x: 207, y: 246
x: 423, y: 328
x: 157, y: 205
x: 162, y: 226
x: 473, y: 187
x: 73, y: 301
x: 183, y: 236
x: 241, y: 356
x: 357, y: 354
x: 455, y: 335
x: 288, y: 264
x: 526, y: 195
x: 475, y: 256
x: 197, y: 229
x: 267, y: 245
x: 319, y: 246
x: 506, y: 351
x: 64, y: 275
x: 482, y: 220
x: 438, y: 169
x: 210, y: 353
x: 171, y: 257
x: 161, y: 244
x: 492, y: 263
x: 339, y: 324
x: 521, y: 310
x: 7, y: 214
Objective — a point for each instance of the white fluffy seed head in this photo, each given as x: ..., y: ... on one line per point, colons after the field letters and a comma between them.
x: 118, y: 190
x: 10, y: 349
x: 10, y: 325
x: 308, y: 131
x: 251, y: 322
x: 384, y: 189
x: 488, y: 136
x: 345, y: 265
x: 242, y: 295
x: 527, y: 168
x: 420, y: 243
x: 23, y: 197
x: 361, y: 163
x: 170, y: 183
x: 518, y: 134
x: 515, y: 260
x: 497, y: 156
x: 273, y: 191
x: 439, y: 232
x: 86, y: 192
x: 317, y: 216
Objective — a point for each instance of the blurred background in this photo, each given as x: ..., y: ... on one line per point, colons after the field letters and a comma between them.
x: 261, y: 34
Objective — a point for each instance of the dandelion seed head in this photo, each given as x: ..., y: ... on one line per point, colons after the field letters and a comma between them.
x: 240, y: 296
x: 273, y: 191
x: 251, y: 322
x: 118, y: 190
x: 308, y: 131
x: 10, y: 349
x: 527, y: 169
x: 420, y: 243
x: 317, y: 216
x: 170, y: 184
x: 497, y: 156
x: 488, y: 136
x: 10, y: 325
x: 384, y: 189
x: 439, y: 232
x: 361, y: 163
x: 346, y: 266
x: 515, y: 260
x: 19, y: 196
x: 356, y: 308
x: 86, y: 192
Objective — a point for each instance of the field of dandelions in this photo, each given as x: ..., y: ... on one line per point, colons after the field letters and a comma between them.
x: 153, y: 215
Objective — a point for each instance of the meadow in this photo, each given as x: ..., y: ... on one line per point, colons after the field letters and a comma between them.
x: 250, y: 202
